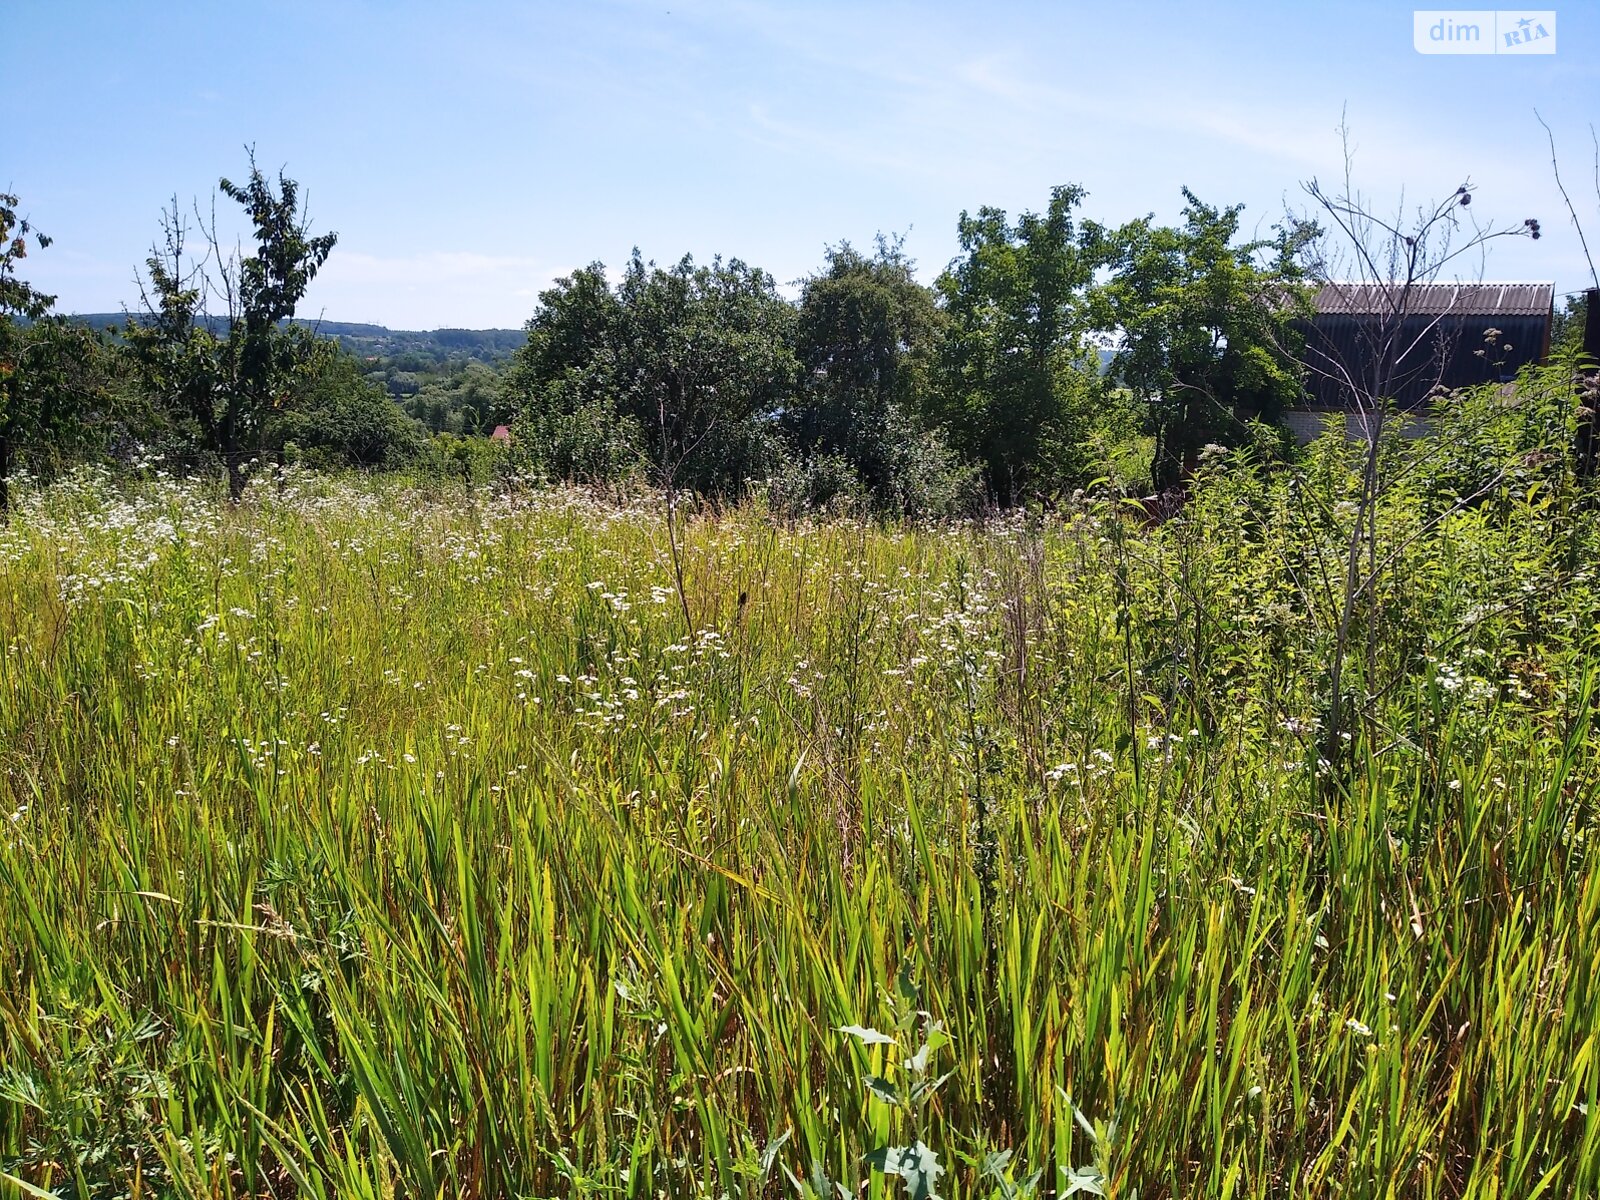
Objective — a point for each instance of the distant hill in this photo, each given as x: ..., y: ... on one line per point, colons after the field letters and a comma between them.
x: 376, y: 341
x: 379, y: 341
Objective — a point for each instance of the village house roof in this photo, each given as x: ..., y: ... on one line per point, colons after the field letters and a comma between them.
x: 1438, y: 331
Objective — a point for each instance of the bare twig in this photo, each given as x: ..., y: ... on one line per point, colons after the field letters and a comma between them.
x: 1555, y: 169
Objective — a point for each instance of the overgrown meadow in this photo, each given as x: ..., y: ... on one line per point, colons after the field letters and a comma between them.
x: 369, y: 839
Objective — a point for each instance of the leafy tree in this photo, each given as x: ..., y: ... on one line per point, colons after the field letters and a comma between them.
x: 341, y: 418
x: 1207, y: 342
x: 1017, y: 373
x: 173, y: 354
x: 867, y: 338
x: 562, y: 383
x: 227, y: 385
x: 52, y: 373
x: 403, y: 383
x: 704, y: 362
x: 574, y: 324
x: 589, y: 442
x: 469, y: 399
x: 695, y: 361
x: 1566, y: 330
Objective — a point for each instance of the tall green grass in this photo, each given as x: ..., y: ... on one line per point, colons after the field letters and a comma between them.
x: 368, y: 841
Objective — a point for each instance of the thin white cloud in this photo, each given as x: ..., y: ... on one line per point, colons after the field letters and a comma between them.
x: 411, y: 291
x: 798, y: 137
x: 355, y: 267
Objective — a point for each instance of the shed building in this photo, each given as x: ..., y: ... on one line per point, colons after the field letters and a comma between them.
x: 1435, y: 335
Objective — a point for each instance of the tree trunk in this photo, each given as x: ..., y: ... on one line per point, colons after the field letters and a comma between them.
x: 234, y: 459
x: 5, y: 477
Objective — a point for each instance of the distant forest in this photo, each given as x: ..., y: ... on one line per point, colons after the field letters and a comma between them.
x: 441, y: 377
x: 424, y: 348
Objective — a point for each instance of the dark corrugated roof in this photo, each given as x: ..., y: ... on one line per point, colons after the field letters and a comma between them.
x: 1370, y: 340
x: 1434, y: 299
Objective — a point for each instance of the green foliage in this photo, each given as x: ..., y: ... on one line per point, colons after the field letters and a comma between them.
x: 54, y: 384
x: 692, y: 372
x: 18, y: 298
x: 58, y: 400
x: 929, y: 479
x: 588, y: 443
x: 1119, y: 448
x: 1495, y: 440
x: 471, y: 460
x: 469, y: 398
x: 272, y: 281
x: 822, y: 484
x: 1566, y: 332
x: 94, y: 1088
x: 567, y: 340
x: 867, y: 339
x: 876, y: 392
x: 698, y: 360
x: 431, y: 352
x: 706, y: 361
x: 925, y: 480
x: 907, y: 1085
x: 226, y: 385
x: 916, y: 1164
x: 1053, y: 353
x: 1017, y: 377
x: 338, y: 418
x: 1206, y: 335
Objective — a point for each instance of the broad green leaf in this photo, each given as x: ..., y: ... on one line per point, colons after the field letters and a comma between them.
x: 867, y: 1037
x: 1084, y: 1179
x: 882, y: 1089
x: 918, y: 1062
x: 917, y: 1165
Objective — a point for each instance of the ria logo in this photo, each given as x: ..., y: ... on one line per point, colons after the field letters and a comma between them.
x: 1483, y: 31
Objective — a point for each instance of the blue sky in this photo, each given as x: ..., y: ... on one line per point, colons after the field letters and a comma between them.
x: 467, y: 154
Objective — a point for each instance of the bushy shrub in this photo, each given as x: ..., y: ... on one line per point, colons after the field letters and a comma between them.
x: 472, y: 460
x: 825, y: 484
x: 1502, y: 438
x: 926, y: 479
x: 589, y: 443
x: 930, y: 480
